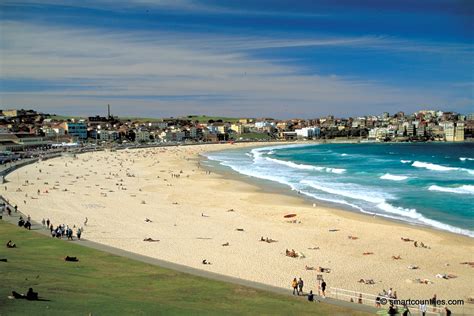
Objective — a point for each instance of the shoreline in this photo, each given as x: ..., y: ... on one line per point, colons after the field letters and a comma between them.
x: 268, y: 186
x: 186, y: 236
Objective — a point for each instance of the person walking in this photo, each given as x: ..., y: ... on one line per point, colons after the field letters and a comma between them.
x: 294, y: 285
x: 423, y: 309
x: 79, y: 232
x: 323, y: 288
x: 300, y: 285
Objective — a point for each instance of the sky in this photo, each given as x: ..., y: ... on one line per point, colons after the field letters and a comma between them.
x: 245, y: 58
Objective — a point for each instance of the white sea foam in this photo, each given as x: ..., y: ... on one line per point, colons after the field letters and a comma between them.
x: 419, y: 218
x: 432, y: 166
x: 435, y: 167
x: 466, y: 158
x: 343, y: 155
x: 405, y: 161
x: 353, y: 192
x: 393, y: 177
x: 464, y: 189
x: 306, y: 167
x: 294, y: 165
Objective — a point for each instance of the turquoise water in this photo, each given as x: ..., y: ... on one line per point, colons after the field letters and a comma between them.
x: 423, y: 183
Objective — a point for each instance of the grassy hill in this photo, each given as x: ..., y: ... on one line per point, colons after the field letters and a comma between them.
x: 105, y: 284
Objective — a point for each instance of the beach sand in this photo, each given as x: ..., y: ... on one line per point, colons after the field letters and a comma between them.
x: 118, y: 191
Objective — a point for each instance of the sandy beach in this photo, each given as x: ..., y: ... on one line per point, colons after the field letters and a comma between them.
x: 193, y: 213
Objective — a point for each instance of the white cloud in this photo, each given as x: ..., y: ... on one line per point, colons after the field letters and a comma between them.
x: 142, y: 66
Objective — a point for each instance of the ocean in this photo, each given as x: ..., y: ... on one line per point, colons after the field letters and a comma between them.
x: 429, y: 184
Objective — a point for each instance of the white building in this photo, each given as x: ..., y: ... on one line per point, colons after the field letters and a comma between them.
x: 308, y: 132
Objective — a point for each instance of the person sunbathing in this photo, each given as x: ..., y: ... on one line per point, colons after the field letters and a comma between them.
x: 368, y: 281
x: 413, y: 267
x: 10, y: 244
x: 446, y: 276
x: 352, y: 237
x: 150, y: 239
x: 205, y: 262
x: 396, y: 257
x: 226, y: 244
x: 262, y: 239
x: 407, y: 239
x: 309, y: 268
x: 324, y: 270
x: 313, y: 248
x: 269, y: 240
x: 368, y: 253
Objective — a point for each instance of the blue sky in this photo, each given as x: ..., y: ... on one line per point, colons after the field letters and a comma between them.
x: 239, y: 58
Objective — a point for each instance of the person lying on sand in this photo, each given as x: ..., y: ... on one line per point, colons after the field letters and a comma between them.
x: 368, y: 281
x: 226, y: 244
x: 396, y: 257
x: 309, y: 268
x: 269, y: 240
x: 324, y: 270
x: 151, y: 239
x: 352, y: 237
x: 10, y: 244
x: 413, y: 267
x: 205, y: 262
x: 313, y: 248
x: 446, y: 276
x: 368, y: 253
x: 291, y: 253
x: 423, y: 281
x: 406, y: 239
x: 470, y: 263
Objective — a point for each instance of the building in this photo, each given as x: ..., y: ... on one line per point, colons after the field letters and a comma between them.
x: 22, y: 142
x: 142, y: 136
x: 308, y: 132
x: 454, y: 132
x: 449, y: 131
x: 459, y: 132
x: 237, y: 128
x: 76, y: 129
x: 104, y: 135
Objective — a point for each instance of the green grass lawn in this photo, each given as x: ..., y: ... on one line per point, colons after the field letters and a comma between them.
x: 205, y: 118
x: 105, y: 284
